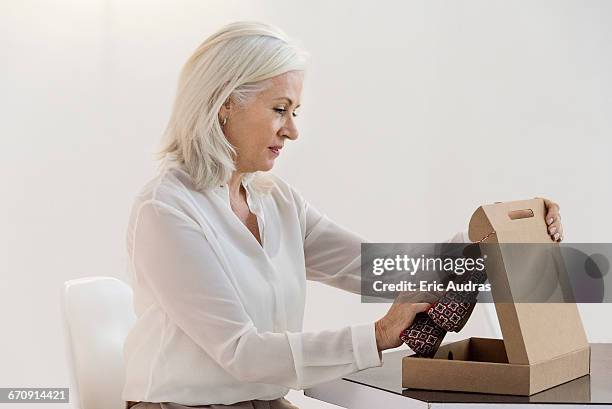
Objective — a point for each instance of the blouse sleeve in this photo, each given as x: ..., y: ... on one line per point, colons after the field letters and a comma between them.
x: 172, y: 257
x: 333, y: 253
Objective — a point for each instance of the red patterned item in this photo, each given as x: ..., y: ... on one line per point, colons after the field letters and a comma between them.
x: 424, y: 336
x: 450, y: 313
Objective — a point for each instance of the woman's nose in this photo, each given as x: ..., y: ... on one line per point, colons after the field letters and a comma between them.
x: 290, y: 131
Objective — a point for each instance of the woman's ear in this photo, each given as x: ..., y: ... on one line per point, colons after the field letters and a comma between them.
x: 225, y: 109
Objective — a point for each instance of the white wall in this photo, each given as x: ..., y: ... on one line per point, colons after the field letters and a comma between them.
x: 414, y: 113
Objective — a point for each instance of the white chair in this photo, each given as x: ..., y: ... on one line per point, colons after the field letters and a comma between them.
x: 98, y: 314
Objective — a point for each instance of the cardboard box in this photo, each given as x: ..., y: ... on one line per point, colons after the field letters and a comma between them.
x: 544, y: 344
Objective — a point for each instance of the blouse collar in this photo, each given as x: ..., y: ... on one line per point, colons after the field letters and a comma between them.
x: 169, y: 162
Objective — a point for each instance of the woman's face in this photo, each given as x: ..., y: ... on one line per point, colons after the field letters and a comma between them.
x: 259, y: 129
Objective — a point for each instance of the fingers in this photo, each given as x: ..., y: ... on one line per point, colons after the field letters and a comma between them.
x: 420, y: 307
x: 419, y: 297
x: 552, y: 216
x: 553, y: 220
x: 399, y: 317
x: 555, y: 230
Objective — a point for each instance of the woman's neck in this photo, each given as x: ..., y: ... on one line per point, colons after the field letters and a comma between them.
x: 234, y: 184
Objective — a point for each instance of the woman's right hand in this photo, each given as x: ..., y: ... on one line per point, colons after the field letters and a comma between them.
x: 399, y: 317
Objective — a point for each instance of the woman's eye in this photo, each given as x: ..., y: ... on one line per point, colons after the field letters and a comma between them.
x: 283, y: 111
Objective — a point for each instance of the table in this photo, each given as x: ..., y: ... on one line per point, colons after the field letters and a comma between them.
x: 381, y: 388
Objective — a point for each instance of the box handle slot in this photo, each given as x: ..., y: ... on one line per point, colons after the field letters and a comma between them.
x: 520, y: 214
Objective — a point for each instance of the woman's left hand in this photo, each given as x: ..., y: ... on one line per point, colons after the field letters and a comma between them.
x: 553, y: 220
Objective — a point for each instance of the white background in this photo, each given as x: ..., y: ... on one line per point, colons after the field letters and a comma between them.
x: 414, y: 113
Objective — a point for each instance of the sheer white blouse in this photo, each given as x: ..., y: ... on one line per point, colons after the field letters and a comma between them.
x: 219, y: 316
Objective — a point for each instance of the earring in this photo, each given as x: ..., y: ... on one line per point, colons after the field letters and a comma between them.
x: 224, y: 121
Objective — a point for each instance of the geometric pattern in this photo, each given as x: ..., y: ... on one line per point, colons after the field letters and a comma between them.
x: 423, y: 336
x: 449, y: 314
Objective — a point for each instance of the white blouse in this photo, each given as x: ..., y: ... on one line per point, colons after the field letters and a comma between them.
x: 220, y: 316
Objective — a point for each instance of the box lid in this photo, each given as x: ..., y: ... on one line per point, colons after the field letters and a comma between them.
x: 532, y: 332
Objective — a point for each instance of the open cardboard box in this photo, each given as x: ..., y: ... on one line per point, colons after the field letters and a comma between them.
x: 544, y: 344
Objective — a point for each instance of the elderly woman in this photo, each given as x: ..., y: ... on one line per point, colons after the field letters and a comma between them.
x: 220, y: 249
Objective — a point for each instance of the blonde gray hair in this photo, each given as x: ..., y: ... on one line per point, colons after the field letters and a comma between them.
x: 234, y: 62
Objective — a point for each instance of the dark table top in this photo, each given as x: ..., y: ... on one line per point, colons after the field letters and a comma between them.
x: 595, y: 388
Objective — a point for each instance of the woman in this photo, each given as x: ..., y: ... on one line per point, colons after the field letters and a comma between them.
x: 220, y: 250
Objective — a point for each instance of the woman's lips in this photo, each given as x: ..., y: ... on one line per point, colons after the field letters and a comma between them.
x: 275, y: 150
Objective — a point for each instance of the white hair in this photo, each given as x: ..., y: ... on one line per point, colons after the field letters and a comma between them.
x: 234, y: 62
